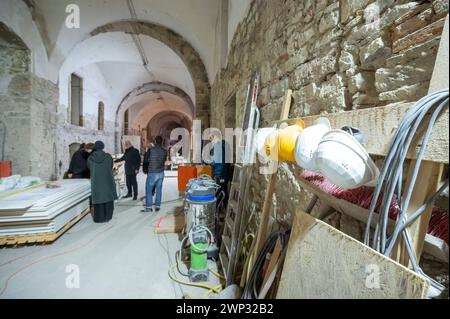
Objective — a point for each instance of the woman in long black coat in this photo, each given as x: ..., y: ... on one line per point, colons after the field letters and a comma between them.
x: 103, y: 188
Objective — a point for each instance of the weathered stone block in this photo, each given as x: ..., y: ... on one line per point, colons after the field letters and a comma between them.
x: 278, y: 89
x: 413, y: 24
x: 440, y: 7
x: 330, y: 18
x: 362, y: 99
x: 362, y: 82
x: 347, y: 60
x: 327, y: 97
x: 374, y: 54
x: 350, y: 7
x: 264, y: 96
x: 326, y: 42
x: 423, y: 54
x: 316, y: 69
x: 412, y: 12
x: 392, y: 14
x: 400, y: 76
x: 407, y: 93
x: 297, y: 57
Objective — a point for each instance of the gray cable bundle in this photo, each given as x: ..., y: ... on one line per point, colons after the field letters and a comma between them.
x: 422, y: 115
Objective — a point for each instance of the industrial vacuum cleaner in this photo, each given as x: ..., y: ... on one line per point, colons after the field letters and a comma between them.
x: 200, y: 214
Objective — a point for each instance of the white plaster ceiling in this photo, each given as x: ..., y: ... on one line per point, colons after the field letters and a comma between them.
x: 194, y: 20
x: 120, y: 63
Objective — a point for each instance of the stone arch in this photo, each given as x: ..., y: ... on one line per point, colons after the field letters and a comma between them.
x: 145, y: 88
x: 181, y: 47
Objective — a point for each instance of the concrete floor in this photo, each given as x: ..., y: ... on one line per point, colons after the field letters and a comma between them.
x: 122, y: 259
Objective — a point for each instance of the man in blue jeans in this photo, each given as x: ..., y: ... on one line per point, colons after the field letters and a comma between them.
x: 154, y: 165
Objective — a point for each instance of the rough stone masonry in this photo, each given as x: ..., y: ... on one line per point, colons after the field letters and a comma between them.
x: 335, y: 56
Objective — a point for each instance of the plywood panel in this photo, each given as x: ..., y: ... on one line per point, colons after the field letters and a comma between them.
x: 323, y: 263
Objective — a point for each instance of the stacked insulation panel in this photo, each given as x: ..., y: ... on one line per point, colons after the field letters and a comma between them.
x: 43, y: 210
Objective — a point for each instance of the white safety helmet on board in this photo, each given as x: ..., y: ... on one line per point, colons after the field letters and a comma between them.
x: 308, y: 142
x: 342, y: 160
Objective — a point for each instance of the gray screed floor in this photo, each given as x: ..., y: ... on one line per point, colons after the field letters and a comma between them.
x: 122, y: 259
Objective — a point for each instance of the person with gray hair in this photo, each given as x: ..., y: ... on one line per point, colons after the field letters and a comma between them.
x: 132, y: 160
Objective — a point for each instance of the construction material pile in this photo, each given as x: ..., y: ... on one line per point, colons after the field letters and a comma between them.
x: 439, y: 223
x: 43, y: 208
x: 17, y: 182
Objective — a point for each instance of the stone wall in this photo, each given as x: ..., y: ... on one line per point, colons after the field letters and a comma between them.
x: 15, y: 97
x: 335, y: 56
x: 37, y: 134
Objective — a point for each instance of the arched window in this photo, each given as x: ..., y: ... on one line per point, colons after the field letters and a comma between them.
x: 101, y: 116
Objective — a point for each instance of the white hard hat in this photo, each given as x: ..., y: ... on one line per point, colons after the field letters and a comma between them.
x: 261, y: 138
x: 308, y: 141
x: 342, y: 160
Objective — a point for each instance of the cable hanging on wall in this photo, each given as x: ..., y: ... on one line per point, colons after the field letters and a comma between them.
x: 419, y: 119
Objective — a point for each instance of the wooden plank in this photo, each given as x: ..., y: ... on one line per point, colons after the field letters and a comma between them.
x: 324, y: 263
x: 434, y: 246
x: 233, y: 205
x: 379, y: 124
x: 267, y: 206
x: 427, y: 183
x: 440, y: 78
x: 287, y: 105
x: 171, y: 224
x: 224, y: 262
x: 227, y: 244
x: 273, y: 261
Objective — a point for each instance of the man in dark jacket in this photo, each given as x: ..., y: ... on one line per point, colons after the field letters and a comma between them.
x: 103, y: 188
x: 154, y: 166
x: 132, y: 160
x: 78, y: 164
x: 221, y: 159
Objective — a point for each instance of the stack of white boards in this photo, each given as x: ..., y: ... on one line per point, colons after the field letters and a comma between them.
x: 43, y: 210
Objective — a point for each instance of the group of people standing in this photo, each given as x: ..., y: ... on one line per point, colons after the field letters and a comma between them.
x: 153, y: 165
x: 91, y: 161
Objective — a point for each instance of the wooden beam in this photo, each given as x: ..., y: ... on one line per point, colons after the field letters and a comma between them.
x: 287, y: 105
x: 427, y: 183
x: 170, y: 224
x: 324, y: 263
x: 267, y: 206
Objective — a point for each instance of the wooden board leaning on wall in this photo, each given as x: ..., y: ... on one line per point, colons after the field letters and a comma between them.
x: 323, y: 263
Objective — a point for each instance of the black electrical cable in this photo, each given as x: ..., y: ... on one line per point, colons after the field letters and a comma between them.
x: 255, y: 280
